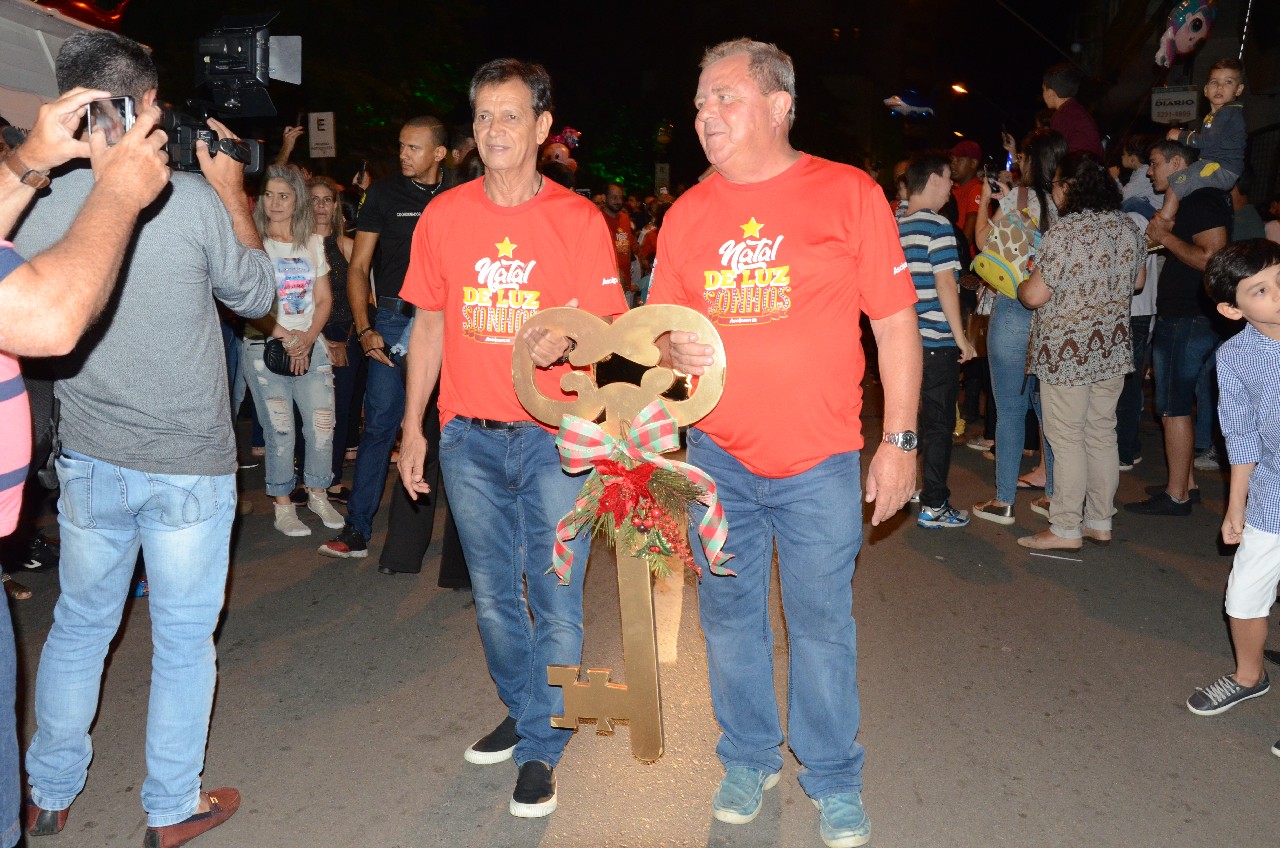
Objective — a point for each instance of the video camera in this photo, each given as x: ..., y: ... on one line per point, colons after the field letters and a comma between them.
x: 234, y: 63
x: 185, y: 131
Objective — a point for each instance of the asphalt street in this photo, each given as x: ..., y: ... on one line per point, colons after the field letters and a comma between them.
x: 1007, y: 699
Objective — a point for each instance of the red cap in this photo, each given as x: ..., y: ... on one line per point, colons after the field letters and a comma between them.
x: 967, y: 150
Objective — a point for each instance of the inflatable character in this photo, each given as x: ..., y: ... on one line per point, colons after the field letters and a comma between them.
x: 1188, y: 27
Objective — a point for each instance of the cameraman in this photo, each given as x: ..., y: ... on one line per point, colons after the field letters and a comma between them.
x: 45, y: 305
x: 148, y: 461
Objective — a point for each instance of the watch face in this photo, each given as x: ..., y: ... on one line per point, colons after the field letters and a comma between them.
x: 907, y: 441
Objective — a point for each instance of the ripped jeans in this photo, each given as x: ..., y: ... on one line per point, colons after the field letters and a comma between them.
x: 274, y: 396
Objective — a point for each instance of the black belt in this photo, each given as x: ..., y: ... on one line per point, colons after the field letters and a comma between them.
x: 395, y: 304
x: 490, y: 424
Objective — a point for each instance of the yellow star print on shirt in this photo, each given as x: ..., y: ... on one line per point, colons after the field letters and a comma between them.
x: 751, y: 229
x: 506, y: 248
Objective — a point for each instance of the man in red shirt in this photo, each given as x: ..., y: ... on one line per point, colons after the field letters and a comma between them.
x: 486, y: 257
x: 967, y: 188
x: 784, y: 252
x: 624, y: 236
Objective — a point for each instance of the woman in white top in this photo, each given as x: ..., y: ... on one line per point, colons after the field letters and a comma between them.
x: 286, y: 223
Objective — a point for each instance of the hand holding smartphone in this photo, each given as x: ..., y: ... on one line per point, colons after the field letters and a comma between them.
x: 111, y: 116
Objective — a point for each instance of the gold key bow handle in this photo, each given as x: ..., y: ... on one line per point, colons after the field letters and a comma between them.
x: 632, y: 335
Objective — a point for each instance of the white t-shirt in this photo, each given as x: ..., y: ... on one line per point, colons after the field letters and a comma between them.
x: 296, y: 273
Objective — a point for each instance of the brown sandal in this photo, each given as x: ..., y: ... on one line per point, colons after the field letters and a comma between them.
x: 14, y: 589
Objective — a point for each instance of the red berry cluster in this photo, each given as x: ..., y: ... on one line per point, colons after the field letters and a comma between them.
x: 650, y: 519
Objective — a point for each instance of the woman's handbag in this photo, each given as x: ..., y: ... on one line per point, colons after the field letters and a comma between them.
x: 975, y: 330
x: 1008, y: 259
x: 276, y: 360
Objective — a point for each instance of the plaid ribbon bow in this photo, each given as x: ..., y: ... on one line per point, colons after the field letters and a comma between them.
x: 584, y: 446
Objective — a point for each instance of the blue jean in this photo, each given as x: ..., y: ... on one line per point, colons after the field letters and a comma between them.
x: 507, y: 492
x: 1014, y: 392
x: 1207, y: 401
x: 1129, y: 408
x: 10, y: 782
x: 815, y: 517
x: 274, y: 396
x: 182, y: 523
x: 383, y: 412
x: 1179, y: 348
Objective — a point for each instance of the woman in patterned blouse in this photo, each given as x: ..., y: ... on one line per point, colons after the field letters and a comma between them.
x: 1089, y: 265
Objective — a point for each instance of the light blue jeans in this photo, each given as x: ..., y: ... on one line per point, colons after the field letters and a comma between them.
x: 815, y: 518
x: 507, y: 493
x: 274, y: 396
x: 182, y: 523
x: 1014, y: 392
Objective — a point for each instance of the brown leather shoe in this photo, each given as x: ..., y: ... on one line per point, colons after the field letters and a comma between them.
x: 1050, y: 541
x: 42, y: 822
x: 223, y: 804
x: 1098, y: 537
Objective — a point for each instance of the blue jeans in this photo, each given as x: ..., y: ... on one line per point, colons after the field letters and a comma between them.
x: 274, y: 396
x: 383, y: 412
x: 1179, y: 349
x: 182, y: 523
x: 10, y: 782
x: 1014, y: 392
x: 1129, y: 408
x: 1207, y: 401
x: 815, y: 517
x: 507, y: 492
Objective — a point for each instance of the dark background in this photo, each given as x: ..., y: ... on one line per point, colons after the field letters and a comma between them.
x: 623, y: 70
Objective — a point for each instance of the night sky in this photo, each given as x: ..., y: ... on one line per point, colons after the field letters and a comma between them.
x: 621, y: 70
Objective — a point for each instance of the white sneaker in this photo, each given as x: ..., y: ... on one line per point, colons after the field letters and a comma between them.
x: 1207, y: 460
x: 318, y: 502
x: 288, y: 523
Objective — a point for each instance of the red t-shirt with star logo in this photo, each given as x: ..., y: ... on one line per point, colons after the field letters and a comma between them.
x: 785, y: 268
x: 490, y: 268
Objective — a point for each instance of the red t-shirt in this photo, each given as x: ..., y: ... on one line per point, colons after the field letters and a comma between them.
x: 784, y: 268
x: 968, y: 198
x: 490, y: 268
x: 624, y: 242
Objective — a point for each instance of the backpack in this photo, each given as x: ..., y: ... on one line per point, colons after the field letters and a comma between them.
x: 1009, y: 256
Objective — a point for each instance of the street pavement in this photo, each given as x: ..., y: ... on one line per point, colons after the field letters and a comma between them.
x: 1007, y: 699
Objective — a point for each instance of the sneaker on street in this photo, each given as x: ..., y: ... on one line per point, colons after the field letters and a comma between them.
x: 318, y: 502
x: 944, y: 516
x: 1223, y: 694
x: 42, y: 555
x: 1161, y: 504
x: 535, y: 794
x: 980, y: 444
x: 842, y: 820
x: 349, y: 544
x: 992, y: 511
x: 1126, y: 465
x: 1275, y: 749
x: 741, y: 792
x: 288, y: 523
x: 1207, y: 460
x: 495, y: 746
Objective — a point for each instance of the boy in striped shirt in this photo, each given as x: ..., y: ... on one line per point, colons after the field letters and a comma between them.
x: 929, y: 243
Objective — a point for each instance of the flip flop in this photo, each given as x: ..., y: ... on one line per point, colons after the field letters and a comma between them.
x: 1024, y: 483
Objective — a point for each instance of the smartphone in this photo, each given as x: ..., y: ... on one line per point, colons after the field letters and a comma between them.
x: 111, y: 116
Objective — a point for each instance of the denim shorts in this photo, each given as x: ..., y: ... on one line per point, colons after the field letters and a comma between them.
x: 1179, y: 349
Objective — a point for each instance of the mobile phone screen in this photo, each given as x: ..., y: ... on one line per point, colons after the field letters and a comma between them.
x: 111, y: 116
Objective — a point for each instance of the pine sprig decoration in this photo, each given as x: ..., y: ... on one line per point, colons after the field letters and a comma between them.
x: 656, y: 527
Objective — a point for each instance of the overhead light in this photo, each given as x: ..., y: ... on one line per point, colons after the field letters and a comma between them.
x: 957, y: 134
x: 959, y: 89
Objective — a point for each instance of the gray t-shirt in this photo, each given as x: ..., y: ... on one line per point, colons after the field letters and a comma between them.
x: 146, y: 388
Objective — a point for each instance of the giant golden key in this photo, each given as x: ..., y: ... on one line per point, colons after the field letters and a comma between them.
x: 598, y: 698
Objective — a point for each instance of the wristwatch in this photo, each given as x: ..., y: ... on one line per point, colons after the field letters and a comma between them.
x: 906, y: 440
x: 26, y: 176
